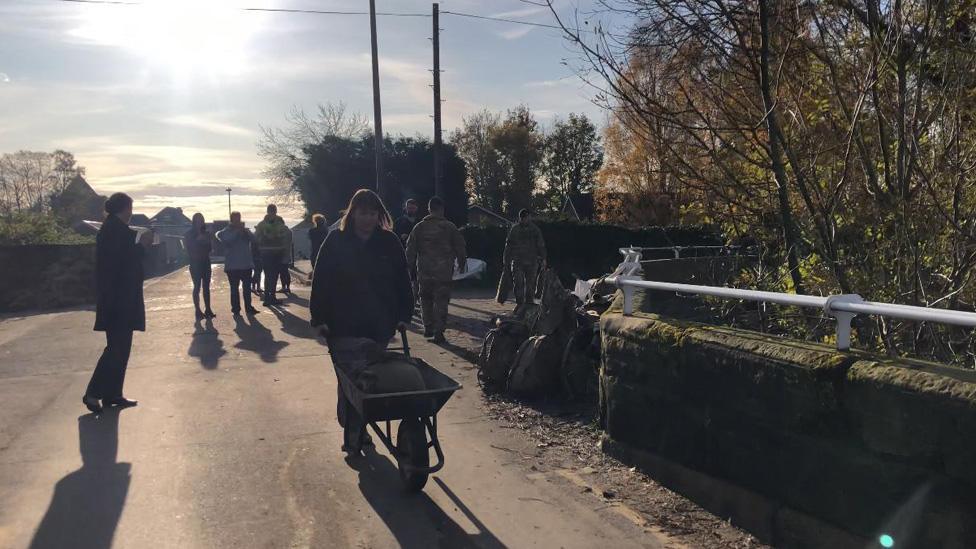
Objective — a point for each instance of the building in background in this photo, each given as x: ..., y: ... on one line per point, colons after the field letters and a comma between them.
x: 78, y: 202
x: 479, y: 216
x: 300, y: 242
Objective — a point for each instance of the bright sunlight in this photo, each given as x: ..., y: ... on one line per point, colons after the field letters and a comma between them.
x: 189, y: 37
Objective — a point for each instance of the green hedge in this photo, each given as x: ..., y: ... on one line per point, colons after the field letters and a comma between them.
x: 587, y: 250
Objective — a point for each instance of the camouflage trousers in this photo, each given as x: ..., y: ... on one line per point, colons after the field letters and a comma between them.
x: 434, y: 297
x: 524, y: 275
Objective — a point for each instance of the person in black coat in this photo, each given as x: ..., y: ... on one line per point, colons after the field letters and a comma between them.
x: 120, y: 308
x: 360, y: 296
x: 316, y: 236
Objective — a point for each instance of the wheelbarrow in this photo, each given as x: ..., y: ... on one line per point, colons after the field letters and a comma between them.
x: 415, y: 410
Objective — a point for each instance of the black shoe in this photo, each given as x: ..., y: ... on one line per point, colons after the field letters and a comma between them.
x: 428, y: 333
x: 272, y: 302
x: 439, y: 338
x: 252, y: 311
x: 200, y: 315
x: 210, y: 314
x: 121, y: 402
x: 92, y: 404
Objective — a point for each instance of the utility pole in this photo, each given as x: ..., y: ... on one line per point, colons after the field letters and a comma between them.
x: 438, y: 185
x: 228, y: 204
x: 377, y: 113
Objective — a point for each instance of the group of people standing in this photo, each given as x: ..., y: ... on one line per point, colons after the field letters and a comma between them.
x: 246, y: 256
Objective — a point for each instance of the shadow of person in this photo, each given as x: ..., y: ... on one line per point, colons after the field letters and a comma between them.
x: 296, y: 299
x: 415, y: 520
x: 206, y: 344
x: 254, y: 337
x: 295, y: 325
x: 87, y: 503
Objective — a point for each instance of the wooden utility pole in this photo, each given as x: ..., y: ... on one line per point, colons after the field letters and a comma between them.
x: 377, y: 112
x: 438, y: 186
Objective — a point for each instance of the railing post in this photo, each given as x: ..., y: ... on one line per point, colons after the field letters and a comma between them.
x: 628, y: 291
x: 843, y: 318
x: 629, y: 269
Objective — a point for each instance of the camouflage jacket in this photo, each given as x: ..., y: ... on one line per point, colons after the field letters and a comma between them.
x: 434, y: 245
x: 524, y: 244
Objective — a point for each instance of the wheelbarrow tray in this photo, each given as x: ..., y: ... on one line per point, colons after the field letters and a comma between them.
x: 373, y: 407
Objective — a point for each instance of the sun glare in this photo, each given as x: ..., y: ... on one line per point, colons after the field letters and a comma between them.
x: 190, y: 37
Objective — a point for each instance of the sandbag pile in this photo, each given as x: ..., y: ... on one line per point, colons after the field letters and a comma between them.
x: 543, y: 349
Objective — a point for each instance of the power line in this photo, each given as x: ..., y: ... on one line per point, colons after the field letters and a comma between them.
x: 336, y: 12
x: 278, y: 10
x: 501, y: 19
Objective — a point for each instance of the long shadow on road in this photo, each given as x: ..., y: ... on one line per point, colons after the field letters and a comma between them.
x: 294, y: 325
x: 206, y: 345
x: 415, y: 520
x: 255, y: 337
x: 87, y: 503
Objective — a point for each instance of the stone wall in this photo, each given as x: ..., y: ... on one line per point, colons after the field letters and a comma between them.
x: 797, y: 442
x: 46, y: 276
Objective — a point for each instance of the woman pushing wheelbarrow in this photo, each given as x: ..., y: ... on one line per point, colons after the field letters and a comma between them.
x: 361, y: 296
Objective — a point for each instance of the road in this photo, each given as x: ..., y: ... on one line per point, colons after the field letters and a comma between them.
x: 234, y: 444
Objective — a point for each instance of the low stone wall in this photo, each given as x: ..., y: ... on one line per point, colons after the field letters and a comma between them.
x: 801, y: 444
x: 46, y: 276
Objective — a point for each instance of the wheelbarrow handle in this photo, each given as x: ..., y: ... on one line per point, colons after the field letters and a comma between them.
x: 403, y: 338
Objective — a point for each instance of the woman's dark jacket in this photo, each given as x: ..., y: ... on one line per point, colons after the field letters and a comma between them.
x: 118, y: 277
x: 316, y: 236
x: 361, y: 289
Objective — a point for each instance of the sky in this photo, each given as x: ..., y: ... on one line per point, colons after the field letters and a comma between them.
x: 165, y: 100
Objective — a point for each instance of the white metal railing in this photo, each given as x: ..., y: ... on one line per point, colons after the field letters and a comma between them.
x: 842, y: 308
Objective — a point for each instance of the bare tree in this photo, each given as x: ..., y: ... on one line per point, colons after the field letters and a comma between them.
x: 285, y: 149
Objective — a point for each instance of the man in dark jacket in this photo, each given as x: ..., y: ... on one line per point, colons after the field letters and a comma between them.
x: 404, y: 226
x: 120, y: 309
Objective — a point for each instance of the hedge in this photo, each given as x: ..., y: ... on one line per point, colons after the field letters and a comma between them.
x: 587, y: 250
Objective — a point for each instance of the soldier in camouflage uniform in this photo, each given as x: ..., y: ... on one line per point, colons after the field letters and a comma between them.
x: 525, y: 252
x: 433, y: 247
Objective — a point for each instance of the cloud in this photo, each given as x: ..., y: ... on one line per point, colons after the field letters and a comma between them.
x: 4, y: 78
x: 516, y: 33
x: 208, y: 125
x: 552, y: 83
x: 518, y: 14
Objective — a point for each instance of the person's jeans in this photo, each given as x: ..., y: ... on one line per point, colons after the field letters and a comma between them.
x: 109, y: 375
x: 200, y: 273
x: 285, y: 277
x: 237, y: 277
x: 271, y: 260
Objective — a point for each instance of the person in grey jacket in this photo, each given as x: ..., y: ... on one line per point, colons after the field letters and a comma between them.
x: 238, y: 262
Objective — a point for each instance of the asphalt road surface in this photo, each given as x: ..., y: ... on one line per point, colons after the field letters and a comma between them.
x: 235, y: 444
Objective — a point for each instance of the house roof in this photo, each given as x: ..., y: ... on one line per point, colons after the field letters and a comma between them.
x: 170, y: 216
x: 78, y: 185
x: 489, y: 213
x: 139, y: 220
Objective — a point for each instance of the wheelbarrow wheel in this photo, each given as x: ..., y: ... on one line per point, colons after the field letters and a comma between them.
x: 412, y: 450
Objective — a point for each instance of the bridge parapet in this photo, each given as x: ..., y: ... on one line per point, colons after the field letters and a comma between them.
x: 814, y: 444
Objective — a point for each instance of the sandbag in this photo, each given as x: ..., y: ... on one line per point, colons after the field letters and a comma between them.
x: 394, y: 374
x: 504, y: 285
x: 498, y: 354
x: 536, y: 368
